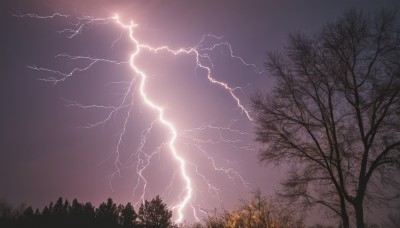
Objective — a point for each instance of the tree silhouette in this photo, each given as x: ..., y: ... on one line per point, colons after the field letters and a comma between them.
x: 89, y: 210
x: 76, y: 212
x: 107, y: 214
x: 334, y: 114
x: 65, y: 214
x: 155, y: 213
x: 80, y: 215
x: 128, y: 216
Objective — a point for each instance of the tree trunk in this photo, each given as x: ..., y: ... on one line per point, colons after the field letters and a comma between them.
x: 358, y: 206
x: 345, y: 221
x: 343, y: 211
x: 344, y: 215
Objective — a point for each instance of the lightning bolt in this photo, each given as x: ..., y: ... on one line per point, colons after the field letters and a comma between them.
x: 140, y: 156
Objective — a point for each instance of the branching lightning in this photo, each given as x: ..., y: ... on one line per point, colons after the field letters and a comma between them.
x: 141, y: 158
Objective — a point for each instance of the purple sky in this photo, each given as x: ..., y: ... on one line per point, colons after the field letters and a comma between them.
x: 44, y: 151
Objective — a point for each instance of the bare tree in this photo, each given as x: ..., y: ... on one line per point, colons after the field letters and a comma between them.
x: 258, y: 211
x: 334, y: 114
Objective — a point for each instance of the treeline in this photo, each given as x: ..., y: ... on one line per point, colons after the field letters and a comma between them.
x: 258, y: 211
x: 64, y: 213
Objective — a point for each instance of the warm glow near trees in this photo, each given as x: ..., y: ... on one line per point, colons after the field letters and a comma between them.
x: 259, y: 211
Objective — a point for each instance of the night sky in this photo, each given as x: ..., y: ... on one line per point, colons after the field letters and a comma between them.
x: 47, y: 149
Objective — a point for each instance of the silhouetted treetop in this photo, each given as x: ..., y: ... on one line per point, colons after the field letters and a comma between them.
x: 155, y: 213
x: 65, y: 214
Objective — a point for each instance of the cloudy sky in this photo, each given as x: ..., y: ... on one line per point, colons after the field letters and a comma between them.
x: 92, y: 136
